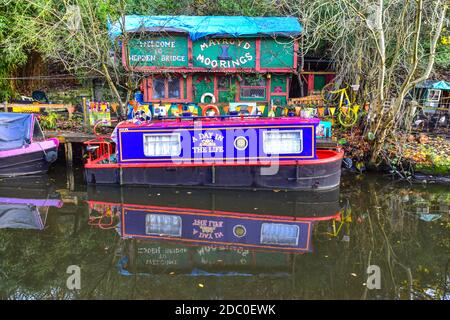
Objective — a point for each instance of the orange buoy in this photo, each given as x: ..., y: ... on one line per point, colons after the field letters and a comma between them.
x: 211, y: 107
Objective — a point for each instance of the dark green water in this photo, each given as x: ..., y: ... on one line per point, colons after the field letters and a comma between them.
x: 403, y: 229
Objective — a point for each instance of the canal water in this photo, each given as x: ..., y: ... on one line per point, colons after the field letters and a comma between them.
x: 374, y: 238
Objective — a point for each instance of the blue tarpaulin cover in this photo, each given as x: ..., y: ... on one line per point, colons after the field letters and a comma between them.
x: 207, y: 26
x: 15, y: 130
x: 19, y: 217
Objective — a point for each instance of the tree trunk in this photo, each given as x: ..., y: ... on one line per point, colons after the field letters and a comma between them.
x: 122, y: 107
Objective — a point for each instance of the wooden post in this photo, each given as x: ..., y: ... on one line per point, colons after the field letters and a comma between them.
x: 86, y: 123
x: 69, y: 153
x: 70, y: 179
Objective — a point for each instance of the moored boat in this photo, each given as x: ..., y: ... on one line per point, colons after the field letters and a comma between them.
x: 216, y: 151
x: 23, y: 147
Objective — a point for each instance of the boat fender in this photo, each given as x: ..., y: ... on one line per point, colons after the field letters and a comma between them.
x: 208, y: 94
x: 211, y: 107
x: 51, y: 156
x: 347, y: 163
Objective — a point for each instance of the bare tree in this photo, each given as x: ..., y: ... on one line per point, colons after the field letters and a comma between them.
x: 385, y: 46
x: 75, y: 34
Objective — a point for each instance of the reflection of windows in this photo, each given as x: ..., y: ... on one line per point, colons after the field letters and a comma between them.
x: 166, y: 88
x: 280, y: 234
x: 162, y: 145
x: 253, y: 88
x: 163, y: 225
x: 282, y: 141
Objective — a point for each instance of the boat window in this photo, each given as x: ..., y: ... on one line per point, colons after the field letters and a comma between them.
x: 163, y: 225
x: 282, y: 141
x: 280, y: 234
x: 38, y: 135
x: 162, y: 145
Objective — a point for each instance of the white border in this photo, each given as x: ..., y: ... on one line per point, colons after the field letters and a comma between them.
x: 277, y: 130
x: 162, y: 134
x: 239, y: 225
x: 162, y: 234
x: 246, y: 144
x: 281, y: 224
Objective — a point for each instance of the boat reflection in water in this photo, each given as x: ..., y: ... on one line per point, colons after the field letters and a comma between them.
x: 25, y: 202
x: 211, y: 232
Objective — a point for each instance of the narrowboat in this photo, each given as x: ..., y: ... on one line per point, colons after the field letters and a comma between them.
x: 215, y: 151
x: 23, y: 147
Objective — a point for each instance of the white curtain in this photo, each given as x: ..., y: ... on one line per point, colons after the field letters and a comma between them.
x: 278, y: 142
x: 162, y: 145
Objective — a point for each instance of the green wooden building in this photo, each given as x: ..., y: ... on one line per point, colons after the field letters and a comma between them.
x: 211, y: 59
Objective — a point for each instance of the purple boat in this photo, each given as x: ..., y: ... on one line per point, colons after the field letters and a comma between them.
x: 23, y: 147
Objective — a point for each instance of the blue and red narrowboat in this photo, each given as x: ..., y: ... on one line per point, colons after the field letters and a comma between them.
x: 224, y: 152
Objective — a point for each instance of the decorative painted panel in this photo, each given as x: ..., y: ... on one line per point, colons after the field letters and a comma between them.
x: 224, y: 53
x: 277, y: 53
x: 167, y: 51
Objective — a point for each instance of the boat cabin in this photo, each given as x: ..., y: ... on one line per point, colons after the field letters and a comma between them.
x: 215, y: 151
x: 217, y: 141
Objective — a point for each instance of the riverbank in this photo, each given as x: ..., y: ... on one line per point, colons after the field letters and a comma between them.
x: 414, y: 157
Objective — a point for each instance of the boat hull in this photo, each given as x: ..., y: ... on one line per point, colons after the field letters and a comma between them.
x: 318, y: 174
x: 28, y: 162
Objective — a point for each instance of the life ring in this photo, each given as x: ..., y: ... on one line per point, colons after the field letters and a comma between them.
x: 208, y: 94
x: 51, y: 156
x: 211, y: 107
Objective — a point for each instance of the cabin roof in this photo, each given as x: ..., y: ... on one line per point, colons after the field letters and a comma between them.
x: 208, y: 26
x: 434, y: 84
x: 214, y: 122
x: 15, y: 130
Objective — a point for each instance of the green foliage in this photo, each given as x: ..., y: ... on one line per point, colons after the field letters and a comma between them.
x: 231, y: 96
x: 12, y: 51
x: 202, y: 7
x: 49, y: 121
